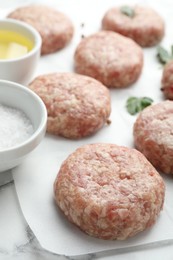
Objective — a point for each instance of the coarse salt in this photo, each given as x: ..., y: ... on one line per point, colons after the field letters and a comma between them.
x: 15, y: 127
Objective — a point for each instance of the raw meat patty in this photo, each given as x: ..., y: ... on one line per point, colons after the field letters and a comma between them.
x: 146, y: 27
x: 153, y: 135
x: 109, y: 57
x: 167, y: 81
x: 77, y: 105
x: 55, y: 28
x: 109, y: 191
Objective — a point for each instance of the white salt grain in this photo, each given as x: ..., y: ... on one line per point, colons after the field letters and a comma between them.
x: 15, y: 127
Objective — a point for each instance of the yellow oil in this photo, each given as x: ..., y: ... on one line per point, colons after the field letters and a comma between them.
x: 8, y: 38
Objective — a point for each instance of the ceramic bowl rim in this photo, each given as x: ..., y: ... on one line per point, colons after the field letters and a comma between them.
x: 32, y: 30
x: 42, y: 124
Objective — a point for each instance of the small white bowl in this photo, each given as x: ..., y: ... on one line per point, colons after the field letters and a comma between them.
x: 21, y: 70
x: 22, y: 98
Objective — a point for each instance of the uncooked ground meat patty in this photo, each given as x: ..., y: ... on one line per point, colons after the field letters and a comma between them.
x: 153, y: 135
x: 109, y: 57
x: 55, y: 28
x: 77, y: 105
x: 167, y: 81
x: 109, y: 191
x: 146, y: 27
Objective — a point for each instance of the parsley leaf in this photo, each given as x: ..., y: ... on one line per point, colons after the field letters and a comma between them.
x: 164, y: 56
x: 135, y: 105
x: 127, y: 10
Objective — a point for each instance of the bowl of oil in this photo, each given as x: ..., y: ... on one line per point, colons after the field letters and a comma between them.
x: 20, y: 46
x: 23, y: 118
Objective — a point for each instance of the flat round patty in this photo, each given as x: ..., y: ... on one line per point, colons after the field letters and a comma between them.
x: 109, y: 57
x: 109, y: 191
x: 77, y: 105
x: 145, y: 26
x: 153, y: 135
x: 167, y: 81
x: 55, y: 28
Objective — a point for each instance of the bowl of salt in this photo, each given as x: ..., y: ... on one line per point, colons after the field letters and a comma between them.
x: 23, y: 118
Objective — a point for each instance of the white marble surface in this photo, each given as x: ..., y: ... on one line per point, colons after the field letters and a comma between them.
x: 18, y: 242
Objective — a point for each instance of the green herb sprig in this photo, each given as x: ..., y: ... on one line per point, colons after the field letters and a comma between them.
x: 127, y: 10
x: 135, y: 104
x: 163, y: 55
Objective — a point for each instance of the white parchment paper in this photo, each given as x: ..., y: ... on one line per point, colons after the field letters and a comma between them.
x: 35, y: 176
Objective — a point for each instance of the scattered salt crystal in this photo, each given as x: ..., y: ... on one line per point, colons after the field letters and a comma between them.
x: 15, y: 127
